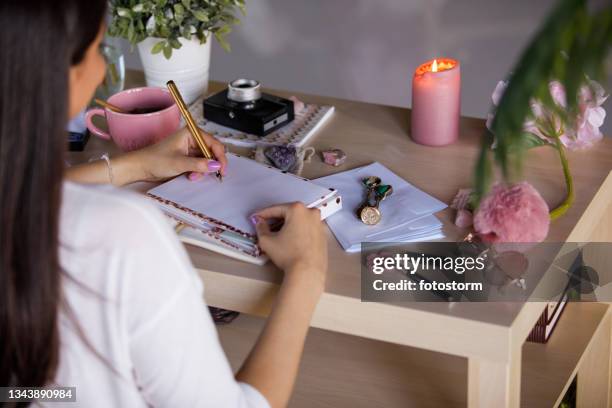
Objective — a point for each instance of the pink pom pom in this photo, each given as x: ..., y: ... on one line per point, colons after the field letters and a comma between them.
x: 515, y: 213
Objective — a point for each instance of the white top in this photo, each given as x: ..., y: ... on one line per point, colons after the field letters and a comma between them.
x: 147, y: 338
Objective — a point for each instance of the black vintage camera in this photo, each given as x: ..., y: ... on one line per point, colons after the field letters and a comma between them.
x: 244, y: 107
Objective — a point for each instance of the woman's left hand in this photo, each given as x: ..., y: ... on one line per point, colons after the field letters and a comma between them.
x: 179, y: 153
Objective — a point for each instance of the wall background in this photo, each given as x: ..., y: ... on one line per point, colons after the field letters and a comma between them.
x: 367, y: 50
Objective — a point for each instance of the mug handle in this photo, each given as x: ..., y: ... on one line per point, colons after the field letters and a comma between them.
x: 93, y: 128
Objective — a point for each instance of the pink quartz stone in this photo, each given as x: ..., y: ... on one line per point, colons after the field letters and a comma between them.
x: 298, y: 106
x: 334, y: 157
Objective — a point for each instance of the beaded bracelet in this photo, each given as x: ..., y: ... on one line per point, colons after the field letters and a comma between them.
x: 106, y: 158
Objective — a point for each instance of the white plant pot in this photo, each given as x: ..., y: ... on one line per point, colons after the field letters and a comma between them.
x: 187, y: 67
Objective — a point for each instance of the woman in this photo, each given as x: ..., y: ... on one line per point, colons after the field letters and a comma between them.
x: 97, y: 293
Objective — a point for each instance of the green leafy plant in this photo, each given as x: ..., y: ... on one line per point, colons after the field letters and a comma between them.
x: 570, y: 47
x: 169, y: 20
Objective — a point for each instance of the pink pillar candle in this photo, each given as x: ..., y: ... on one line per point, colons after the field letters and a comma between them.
x: 436, y: 106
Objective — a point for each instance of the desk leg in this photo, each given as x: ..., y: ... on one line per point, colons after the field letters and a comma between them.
x: 494, y: 384
x: 594, y: 375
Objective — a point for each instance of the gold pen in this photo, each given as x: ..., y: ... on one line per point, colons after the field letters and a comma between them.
x: 191, y: 125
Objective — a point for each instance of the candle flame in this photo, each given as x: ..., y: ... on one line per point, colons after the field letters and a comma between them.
x: 434, y: 66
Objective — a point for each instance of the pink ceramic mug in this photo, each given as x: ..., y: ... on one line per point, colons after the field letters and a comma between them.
x: 131, y: 131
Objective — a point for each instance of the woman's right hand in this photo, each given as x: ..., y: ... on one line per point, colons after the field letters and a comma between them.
x: 299, y: 247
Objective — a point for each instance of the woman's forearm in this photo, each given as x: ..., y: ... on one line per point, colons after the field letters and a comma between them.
x: 124, y: 169
x: 272, y: 365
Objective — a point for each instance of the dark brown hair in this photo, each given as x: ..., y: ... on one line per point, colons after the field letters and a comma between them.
x: 39, y: 41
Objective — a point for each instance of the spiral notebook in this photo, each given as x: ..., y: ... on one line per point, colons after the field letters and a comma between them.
x: 216, y: 215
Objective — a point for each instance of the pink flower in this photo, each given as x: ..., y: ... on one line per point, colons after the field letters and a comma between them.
x: 510, y: 214
x: 498, y: 92
x: 592, y: 93
x: 461, y: 203
x: 542, y: 115
x: 590, y: 117
x: 557, y: 91
x: 582, y: 134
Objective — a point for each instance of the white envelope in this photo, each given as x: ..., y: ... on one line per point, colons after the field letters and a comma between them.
x: 406, y: 212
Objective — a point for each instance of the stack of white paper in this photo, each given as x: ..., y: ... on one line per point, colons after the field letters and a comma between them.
x: 407, y: 214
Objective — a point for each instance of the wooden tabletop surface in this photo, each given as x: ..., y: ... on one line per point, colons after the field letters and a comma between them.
x: 368, y: 133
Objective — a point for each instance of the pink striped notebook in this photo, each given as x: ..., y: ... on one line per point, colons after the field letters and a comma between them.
x: 216, y: 215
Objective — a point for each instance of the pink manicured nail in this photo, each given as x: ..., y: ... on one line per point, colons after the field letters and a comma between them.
x: 193, y: 176
x: 254, y: 219
x: 213, y: 165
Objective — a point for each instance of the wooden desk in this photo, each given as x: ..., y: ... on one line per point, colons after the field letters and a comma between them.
x: 489, y: 337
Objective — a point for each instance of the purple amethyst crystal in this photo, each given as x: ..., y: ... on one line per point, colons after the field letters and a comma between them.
x: 282, y: 157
